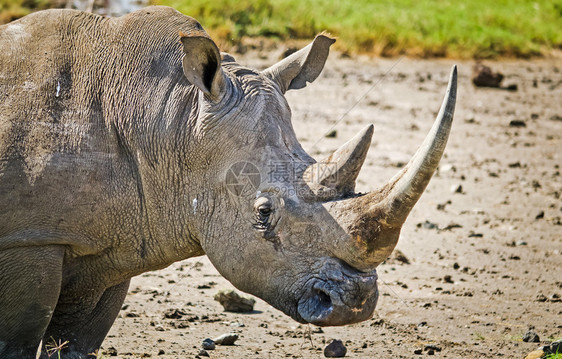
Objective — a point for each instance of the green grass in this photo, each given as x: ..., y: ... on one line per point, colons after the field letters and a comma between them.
x: 425, y: 28
x: 553, y: 356
x: 14, y: 9
x: 473, y: 28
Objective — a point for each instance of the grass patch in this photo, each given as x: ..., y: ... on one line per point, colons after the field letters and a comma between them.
x: 422, y: 28
x: 556, y: 355
x: 470, y: 29
x: 14, y: 9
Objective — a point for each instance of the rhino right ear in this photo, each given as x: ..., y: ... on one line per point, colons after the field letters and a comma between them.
x: 294, y: 71
x: 202, y: 64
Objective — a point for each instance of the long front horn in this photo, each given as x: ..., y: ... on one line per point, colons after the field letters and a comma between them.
x: 408, y: 185
x: 374, y: 220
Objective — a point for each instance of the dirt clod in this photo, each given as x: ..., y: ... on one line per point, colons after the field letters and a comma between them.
x: 111, y: 351
x: 234, y: 302
x: 483, y: 76
x: 397, y: 257
x: 531, y: 337
x: 174, y: 314
x: 433, y: 347
x: 226, y: 339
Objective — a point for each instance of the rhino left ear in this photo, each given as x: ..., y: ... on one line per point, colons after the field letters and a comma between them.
x: 294, y: 71
x: 202, y: 64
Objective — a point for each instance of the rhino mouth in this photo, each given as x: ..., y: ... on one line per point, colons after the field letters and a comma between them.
x: 339, y: 296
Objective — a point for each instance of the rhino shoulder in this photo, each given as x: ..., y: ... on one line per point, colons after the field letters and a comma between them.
x: 157, y: 17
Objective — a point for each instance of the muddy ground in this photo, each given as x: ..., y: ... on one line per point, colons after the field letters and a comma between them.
x: 484, y: 242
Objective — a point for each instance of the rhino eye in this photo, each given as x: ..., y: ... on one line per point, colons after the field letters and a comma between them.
x: 264, y: 211
x: 263, y: 214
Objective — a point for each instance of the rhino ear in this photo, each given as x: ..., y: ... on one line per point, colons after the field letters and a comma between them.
x: 202, y: 64
x: 294, y: 71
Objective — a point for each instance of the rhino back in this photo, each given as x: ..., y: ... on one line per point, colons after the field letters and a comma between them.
x: 80, y: 97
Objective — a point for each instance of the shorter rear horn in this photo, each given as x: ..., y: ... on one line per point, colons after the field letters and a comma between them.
x: 340, y: 170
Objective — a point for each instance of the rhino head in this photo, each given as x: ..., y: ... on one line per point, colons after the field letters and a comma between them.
x: 274, y: 221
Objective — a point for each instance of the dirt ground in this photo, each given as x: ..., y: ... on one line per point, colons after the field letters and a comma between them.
x: 483, y: 243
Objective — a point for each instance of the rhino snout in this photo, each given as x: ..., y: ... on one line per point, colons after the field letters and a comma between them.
x: 339, y: 298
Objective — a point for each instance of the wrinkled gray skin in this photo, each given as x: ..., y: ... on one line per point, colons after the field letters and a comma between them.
x: 120, y: 142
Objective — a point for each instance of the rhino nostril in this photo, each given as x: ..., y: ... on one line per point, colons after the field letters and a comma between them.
x: 316, y: 307
x: 322, y: 298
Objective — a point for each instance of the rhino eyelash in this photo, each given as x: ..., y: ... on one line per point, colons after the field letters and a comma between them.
x: 266, y: 226
x: 260, y: 226
x: 261, y: 223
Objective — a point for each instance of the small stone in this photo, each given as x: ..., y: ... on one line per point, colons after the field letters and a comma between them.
x: 517, y: 123
x: 451, y: 226
x: 234, y: 302
x: 208, y: 344
x: 418, y: 351
x: 111, y: 351
x: 433, y: 347
x: 332, y: 134
x: 531, y: 337
x: 540, y: 215
x: 335, y: 349
x: 448, y: 279
x: 226, y: 339
x: 397, y: 257
x: 429, y: 225
x: 161, y: 352
x: 447, y: 168
x: 541, y: 298
x: 174, y: 314
x: 456, y: 188
x: 203, y: 353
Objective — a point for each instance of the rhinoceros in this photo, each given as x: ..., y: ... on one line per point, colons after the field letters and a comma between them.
x: 129, y: 143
